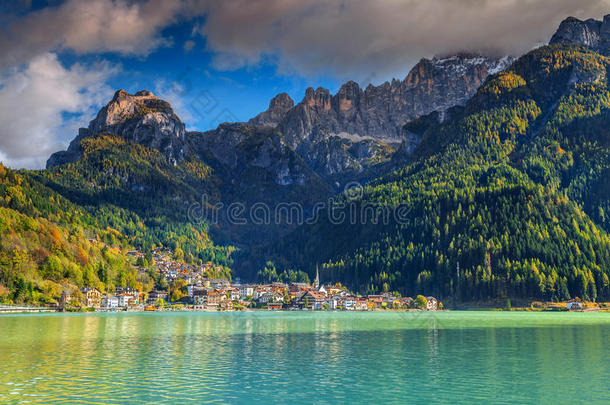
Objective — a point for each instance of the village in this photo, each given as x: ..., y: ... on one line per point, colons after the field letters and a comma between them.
x: 219, y: 294
x: 202, y: 289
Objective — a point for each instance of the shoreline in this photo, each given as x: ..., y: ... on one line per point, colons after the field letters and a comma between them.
x: 254, y: 310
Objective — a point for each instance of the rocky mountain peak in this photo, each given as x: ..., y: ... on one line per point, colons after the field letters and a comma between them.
x: 278, y: 106
x: 281, y: 101
x: 141, y: 118
x: 349, y: 95
x: 125, y: 109
x: 333, y: 134
x: 590, y: 33
x: 319, y: 99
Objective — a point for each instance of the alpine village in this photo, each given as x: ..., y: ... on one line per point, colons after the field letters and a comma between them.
x: 499, y: 169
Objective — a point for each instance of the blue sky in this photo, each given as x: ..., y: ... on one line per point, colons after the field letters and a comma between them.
x: 206, y: 94
x: 219, y: 60
x: 203, y: 94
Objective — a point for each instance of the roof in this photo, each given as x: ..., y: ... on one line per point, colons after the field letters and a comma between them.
x: 155, y: 292
x: 315, y: 294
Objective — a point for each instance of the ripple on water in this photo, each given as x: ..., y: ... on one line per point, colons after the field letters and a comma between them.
x: 303, y: 358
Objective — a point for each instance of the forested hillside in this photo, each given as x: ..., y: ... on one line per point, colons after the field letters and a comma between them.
x: 135, y: 189
x: 506, y: 199
x: 71, y: 226
x: 507, y: 196
x: 49, y: 244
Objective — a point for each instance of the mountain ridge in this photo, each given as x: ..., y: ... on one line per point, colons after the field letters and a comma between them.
x: 328, y: 132
x: 497, y: 191
x: 507, y: 185
x: 591, y: 33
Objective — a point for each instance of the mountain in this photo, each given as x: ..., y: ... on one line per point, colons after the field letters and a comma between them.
x: 507, y: 198
x: 278, y: 107
x: 484, y: 179
x: 49, y: 243
x: 140, y: 118
x: 294, y: 153
x: 379, y: 112
x: 332, y: 134
x: 355, y: 129
x: 591, y: 33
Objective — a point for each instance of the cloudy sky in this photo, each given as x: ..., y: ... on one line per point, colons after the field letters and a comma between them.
x: 222, y: 60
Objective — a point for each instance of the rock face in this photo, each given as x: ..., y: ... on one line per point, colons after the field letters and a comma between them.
x: 141, y: 118
x: 380, y: 111
x: 240, y: 150
x: 591, y: 33
x: 349, y: 131
x: 278, y: 106
x: 334, y: 138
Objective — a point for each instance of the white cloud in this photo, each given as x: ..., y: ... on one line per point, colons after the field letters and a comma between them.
x: 361, y: 38
x: 188, y: 45
x: 92, y: 26
x: 43, y: 103
x: 356, y: 39
x: 175, y: 94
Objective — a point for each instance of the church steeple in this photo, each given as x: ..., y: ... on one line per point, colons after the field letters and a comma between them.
x: 316, y: 283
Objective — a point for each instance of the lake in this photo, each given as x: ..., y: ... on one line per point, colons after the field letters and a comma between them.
x: 305, y: 357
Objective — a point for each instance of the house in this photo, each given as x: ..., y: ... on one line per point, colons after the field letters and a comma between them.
x: 297, y: 287
x: 155, y: 296
x: 196, y: 292
x: 311, y: 300
x: 125, y: 300
x: 279, y: 287
x: 221, y: 284
x: 214, y: 299
x: 388, y: 300
x: 361, y: 304
x: 350, y: 303
x: 574, y: 305
x: 322, y: 290
x: 336, y: 290
x: 275, y: 306
x: 332, y: 303
x: 92, y: 297
x: 110, y: 301
x: 246, y: 291
x: 432, y: 304
x: 375, y: 300
x: 268, y: 297
x: 261, y: 290
x: 233, y: 293
x: 200, y: 296
x: 226, y: 305
x: 130, y: 292
x: 190, y: 289
x: 66, y: 299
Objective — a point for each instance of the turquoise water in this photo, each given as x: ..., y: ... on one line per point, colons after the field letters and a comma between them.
x: 304, y: 357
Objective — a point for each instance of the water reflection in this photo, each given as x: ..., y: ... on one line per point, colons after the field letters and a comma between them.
x: 304, y: 357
